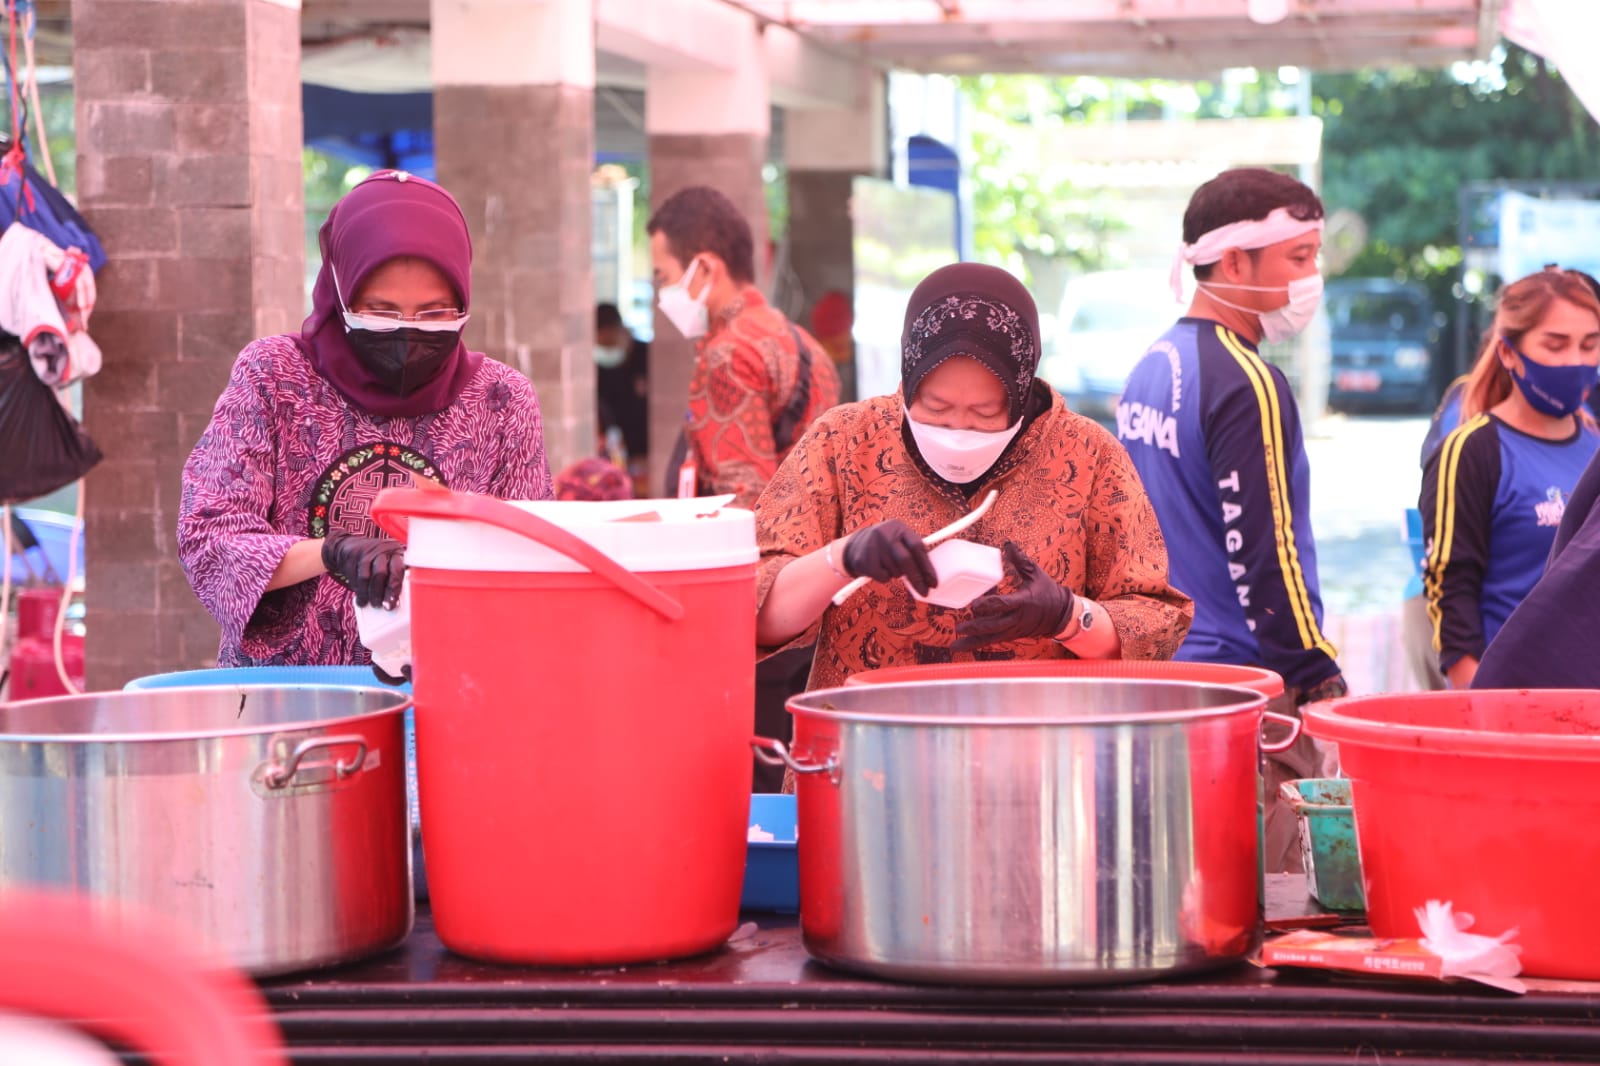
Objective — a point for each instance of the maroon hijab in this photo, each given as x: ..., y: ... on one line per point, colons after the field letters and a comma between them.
x: 390, y: 214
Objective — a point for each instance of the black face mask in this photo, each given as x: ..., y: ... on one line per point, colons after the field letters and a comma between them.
x: 404, y: 359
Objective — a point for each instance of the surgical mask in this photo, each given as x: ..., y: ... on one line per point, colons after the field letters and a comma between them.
x: 687, y: 313
x: 608, y: 357
x: 402, y: 353
x: 1556, y: 391
x: 1281, y: 323
x: 403, y: 359
x: 960, y: 456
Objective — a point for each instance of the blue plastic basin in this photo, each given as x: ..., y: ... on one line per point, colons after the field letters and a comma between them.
x: 772, y: 867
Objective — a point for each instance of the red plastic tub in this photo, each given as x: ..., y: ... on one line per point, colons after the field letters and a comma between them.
x: 1265, y: 682
x: 583, y: 684
x: 1484, y: 799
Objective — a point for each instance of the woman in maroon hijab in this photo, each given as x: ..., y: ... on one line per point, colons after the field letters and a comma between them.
x: 274, y: 531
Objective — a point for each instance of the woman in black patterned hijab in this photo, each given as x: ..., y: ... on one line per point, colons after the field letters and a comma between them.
x: 1085, y: 568
x: 982, y: 319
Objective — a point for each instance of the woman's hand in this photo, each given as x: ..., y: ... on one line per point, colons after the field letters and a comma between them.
x: 371, y: 567
x: 1040, y: 608
x: 1461, y: 672
x: 889, y: 550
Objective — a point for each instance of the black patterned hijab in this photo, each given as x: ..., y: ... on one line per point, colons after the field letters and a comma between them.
x: 978, y: 311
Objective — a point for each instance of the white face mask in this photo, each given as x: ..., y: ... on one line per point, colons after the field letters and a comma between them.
x: 1281, y: 323
x: 960, y: 456
x: 685, y: 312
x: 608, y: 357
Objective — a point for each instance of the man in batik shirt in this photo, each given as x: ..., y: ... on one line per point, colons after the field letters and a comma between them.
x: 758, y: 380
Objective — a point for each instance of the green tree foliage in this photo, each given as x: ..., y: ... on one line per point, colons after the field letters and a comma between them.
x: 1027, y: 216
x: 1398, y: 145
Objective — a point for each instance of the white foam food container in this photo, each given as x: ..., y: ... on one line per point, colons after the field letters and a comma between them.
x: 966, y: 571
x: 387, y: 634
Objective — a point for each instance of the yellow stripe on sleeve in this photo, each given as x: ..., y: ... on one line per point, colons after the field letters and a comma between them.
x: 1278, y: 492
x: 1444, y: 523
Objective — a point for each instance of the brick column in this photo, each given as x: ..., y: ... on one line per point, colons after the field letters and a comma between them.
x: 513, y: 117
x: 188, y: 118
x: 826, y: 150
x: 704, y: 129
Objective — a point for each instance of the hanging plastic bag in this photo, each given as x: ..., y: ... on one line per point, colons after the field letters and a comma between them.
x: 44, y: 446
x: 26, y: 197
x: 31, y: 307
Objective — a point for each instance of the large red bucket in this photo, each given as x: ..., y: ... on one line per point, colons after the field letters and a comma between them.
x: 1265, y: 682
x: 585, y: 684
x: 1485, y: 799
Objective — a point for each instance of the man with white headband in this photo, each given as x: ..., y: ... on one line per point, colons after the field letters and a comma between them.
x: 1215, y: 434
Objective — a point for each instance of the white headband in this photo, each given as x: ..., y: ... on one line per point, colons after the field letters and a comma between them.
x: 1250, y: 234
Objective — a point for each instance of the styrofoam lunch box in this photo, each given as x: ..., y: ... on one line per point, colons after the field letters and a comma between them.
x: 966, y: 571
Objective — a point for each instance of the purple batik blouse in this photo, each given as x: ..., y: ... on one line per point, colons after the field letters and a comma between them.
x: 286, y: 457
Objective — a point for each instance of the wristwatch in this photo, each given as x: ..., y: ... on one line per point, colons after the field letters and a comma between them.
x: 1085, y: 623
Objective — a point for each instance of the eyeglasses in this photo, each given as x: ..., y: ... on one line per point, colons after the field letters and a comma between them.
x: 444, y: 318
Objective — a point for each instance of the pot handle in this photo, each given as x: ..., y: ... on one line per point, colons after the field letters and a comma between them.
x: 280, y: 775
x: 1272, y: 747
x: 394, y: 506
x: 776, y: 753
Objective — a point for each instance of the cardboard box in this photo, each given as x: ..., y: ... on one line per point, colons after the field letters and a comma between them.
x: 1374, y: 956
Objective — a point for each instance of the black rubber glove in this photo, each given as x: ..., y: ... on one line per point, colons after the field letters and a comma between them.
x: 371, y: 567
x: 889, y: 550
x: 389, y: 679
x: 1039, y: 608
x: 1331, y: 689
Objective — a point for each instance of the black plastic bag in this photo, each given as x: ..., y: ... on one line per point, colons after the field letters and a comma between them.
x: 42, y: 447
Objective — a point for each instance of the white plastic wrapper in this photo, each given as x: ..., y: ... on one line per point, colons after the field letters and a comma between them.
x: 387, y: 634
x: 1466, y: 954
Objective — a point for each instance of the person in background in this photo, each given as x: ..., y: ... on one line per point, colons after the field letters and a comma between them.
x: 1415, y: 623
x: 1085, y: 564
x: 758, y: 379
x: 1215, y: 434
x: 832, y: 320
x: 593, y: 479
x: 622, y: 387
x: 376, y: 390
x: 1495, y: 491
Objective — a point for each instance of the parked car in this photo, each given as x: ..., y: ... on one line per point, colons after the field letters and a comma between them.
x: 1108, y: 319
x: 1382, y: 335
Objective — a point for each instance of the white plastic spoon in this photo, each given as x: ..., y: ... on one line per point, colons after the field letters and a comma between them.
x: 927, y: 542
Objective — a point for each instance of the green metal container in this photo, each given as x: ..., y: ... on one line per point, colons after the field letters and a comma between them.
x: 1328, y: 840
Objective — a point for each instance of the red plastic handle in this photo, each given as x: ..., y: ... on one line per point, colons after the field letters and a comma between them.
x: 394, y: 506
x: 135, y: 979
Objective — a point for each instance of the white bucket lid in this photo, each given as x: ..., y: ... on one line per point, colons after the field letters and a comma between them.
x: 644, y: 536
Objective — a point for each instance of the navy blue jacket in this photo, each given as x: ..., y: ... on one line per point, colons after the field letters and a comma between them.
x: 1492, y: 499
x: 1548, y: 642
x: 1215, y: 434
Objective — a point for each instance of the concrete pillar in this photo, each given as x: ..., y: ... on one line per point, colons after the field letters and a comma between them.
x: 826, y: 149
x: 704, y: 128
x: 188, y: 119
x: 513, y: 119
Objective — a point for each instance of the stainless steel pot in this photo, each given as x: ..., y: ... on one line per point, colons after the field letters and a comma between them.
x: 268, y: 820
x: 1027, y: 830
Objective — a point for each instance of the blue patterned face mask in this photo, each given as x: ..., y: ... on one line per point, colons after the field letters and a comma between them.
x: 1556, y: 391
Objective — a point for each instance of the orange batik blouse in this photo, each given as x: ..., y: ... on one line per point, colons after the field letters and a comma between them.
x: 1068, y: 495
